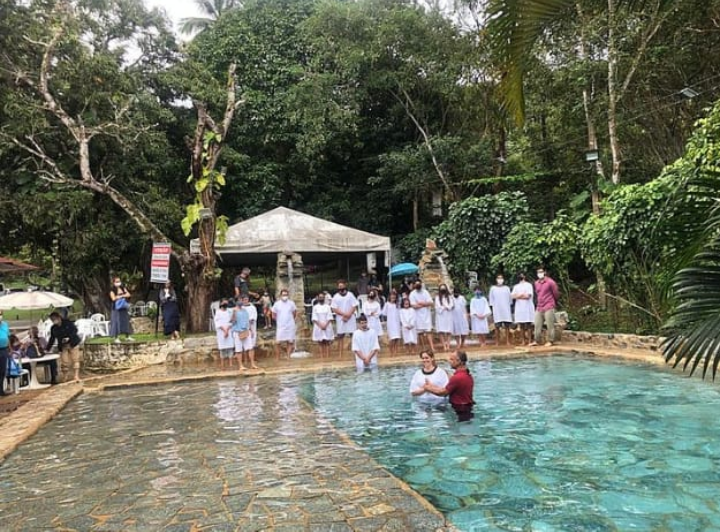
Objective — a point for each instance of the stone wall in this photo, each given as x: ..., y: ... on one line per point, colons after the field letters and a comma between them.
x: 615, y: 341
x: 434, y: 268
x: 126, y: 355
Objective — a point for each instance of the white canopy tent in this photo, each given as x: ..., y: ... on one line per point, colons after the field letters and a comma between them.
x: 259, y: 239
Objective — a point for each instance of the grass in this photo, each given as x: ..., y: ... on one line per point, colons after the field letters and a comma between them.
x: 139, y: 338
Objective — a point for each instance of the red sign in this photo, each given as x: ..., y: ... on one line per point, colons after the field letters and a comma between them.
x: 160, y: 263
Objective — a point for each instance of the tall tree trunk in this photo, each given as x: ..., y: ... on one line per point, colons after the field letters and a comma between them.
x: 613, y: 95
x: 598, y: 173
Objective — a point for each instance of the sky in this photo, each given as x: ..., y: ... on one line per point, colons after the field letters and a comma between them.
x: 176, y: 9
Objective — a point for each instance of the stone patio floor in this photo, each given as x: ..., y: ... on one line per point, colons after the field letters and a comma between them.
x: 323, y: 482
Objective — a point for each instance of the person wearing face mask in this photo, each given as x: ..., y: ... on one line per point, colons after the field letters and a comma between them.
x: 479, y: 313
x: 252, y: 316
x: 391, y: 311
x: 66, y: 335
x: 461, y: 328
x: 522, y: 293
x: 500, y: 299
x: 372, y: 310
x: 365, y: 346
x: 444, y: 305
x: 4, y: 346
x: 284, y: 312
x: 322, y: 318
x: 422, y: 302
x: 547, y: 298
x: 120, y: 315
x: 344, y: 305
x: 170, y: 311
x: 223, y: 330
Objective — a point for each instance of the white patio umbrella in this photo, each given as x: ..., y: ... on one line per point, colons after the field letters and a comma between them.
x: 34, y: 300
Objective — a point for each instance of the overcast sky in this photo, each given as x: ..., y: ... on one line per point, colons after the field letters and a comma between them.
x: 176, y: 9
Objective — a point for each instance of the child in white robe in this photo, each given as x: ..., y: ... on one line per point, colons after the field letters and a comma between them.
x: 407, y: 321
x: 479, y: 312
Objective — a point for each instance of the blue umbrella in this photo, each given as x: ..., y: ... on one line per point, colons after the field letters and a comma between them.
x: 404, y: 268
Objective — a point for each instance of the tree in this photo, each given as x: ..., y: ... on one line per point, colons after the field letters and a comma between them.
x: 108, y: 120
x: 213, y: 9
x: 476, y: 229
x: 693, y: 329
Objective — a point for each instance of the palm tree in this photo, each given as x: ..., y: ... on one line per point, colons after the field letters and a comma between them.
x: 515, y: 26
x: 694, y: 327
x: 213, y: 9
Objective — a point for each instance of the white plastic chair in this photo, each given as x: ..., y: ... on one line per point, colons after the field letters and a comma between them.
x: 101, y: 325
x: 214, y: 307
x: 140, y: 308
x: 85, y: 328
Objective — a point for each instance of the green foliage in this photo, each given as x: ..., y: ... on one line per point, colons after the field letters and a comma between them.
x: 694, y: 327
x: 529, y: 245
x: 411, y: 247
x: 476, y: 229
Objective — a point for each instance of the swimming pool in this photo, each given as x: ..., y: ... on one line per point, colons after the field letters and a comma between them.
x: 557, y: 443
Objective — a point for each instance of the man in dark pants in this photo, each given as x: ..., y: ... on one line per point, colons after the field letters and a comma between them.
x: 459, y: 388
x: 4, y: 343
x: 65, y: 333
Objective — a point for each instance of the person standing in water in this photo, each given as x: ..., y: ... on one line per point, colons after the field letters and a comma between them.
x: 365, y: 346
x: 460, y: 387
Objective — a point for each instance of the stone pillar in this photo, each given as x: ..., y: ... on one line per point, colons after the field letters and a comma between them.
x: 290, y: 270
x: 434, y: 268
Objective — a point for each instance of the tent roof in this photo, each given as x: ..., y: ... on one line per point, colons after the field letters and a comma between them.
x: 8, y: 265
x: 286, y: 230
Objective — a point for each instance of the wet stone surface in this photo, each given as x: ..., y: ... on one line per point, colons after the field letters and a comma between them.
x: 241, y: 455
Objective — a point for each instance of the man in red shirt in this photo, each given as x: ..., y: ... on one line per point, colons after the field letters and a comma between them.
x: 547, y: 297
x: 459, y: 388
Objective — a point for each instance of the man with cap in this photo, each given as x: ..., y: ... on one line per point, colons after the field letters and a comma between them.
x: 365, y: 346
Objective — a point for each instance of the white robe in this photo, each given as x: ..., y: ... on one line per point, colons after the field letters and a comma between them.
x: 222, y: 319
x: 284, y: 320
x: 479, y: 305
x: 439, y: 377
x: 372, y: 311
x: 252, y: 316
x: 407, y: 321
x: 322, y: 313
x: 344, y: 304
x: 365, y: 342
x: 460, y: 319
x: 392, y: 317
x: 423, y: 316
x: 444, y: 314
x: 501, y: 301
x: 524, y: 308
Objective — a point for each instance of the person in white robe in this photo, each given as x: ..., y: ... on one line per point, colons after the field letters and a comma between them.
x: 429, y: 372
x: 223, y: 330
x: 500, y: 300
x: 444, y: 305
x: 373, y: 310
x: 392, y: 322
x: 365, y: 346
x: 461, y: 327
x: 322, y: 318
x: 344, y: 305
x: 252, y: 315
x: 407, y: 322
x: 283, y: 313
x: 523, y: 294
x: 422, y: 302
x: 479, y: 313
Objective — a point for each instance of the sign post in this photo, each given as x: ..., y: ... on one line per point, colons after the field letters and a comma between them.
x: 160, y: 271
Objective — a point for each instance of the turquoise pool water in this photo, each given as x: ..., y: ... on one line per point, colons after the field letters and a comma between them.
x: 557, y: 443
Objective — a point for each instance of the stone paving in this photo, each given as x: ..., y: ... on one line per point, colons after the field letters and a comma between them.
x: 192, y: 475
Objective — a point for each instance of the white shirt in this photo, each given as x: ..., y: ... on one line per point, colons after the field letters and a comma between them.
x: 365, y: 342
x: 284, y: 320
x: 344, y: 304
x: 423, y: 316
x: 500, y: 301
x: 439, y: 377
x: 222, y: 319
